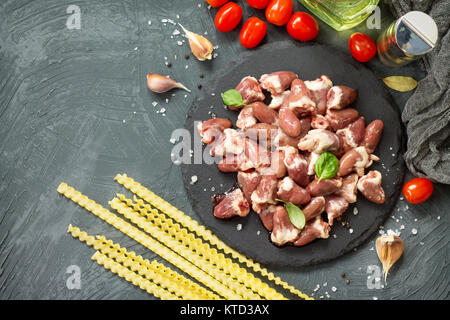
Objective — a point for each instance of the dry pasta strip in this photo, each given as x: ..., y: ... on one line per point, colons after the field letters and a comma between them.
x: 132, y: 277
x: 187, y: 250
x: 146, y: 241
x: 201, y: 231
x: 200, y: 248
x: 153, y: 271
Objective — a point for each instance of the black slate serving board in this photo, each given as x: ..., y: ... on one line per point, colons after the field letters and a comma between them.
x: 309, y: 61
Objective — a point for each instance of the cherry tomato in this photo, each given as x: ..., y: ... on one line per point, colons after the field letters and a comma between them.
x: 302, y: 26
x: 252, y: 33
x: 417, y: 190
x: 278, y: 12
x: 228, y: 17
x: 258, y: 4
x: 362, y: 47
x: 216, y: 3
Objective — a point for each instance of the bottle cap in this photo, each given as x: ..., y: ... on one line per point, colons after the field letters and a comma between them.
x: 416, y: 33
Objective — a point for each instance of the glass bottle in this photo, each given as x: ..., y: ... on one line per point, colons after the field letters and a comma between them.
x: 341, y: 14
x: 407, y: 39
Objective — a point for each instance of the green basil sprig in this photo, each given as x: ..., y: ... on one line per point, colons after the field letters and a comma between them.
x: 233, y: 98
x: 326, y: 166
x: 295, y: 214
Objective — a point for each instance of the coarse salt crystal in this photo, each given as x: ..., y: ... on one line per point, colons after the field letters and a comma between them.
x: 258, y: 232
x: 176, y: 32
x: 179, y: 43
x: 351, y: 231
x: 239, y: 227
x: 333, y: 289
x: 355, y: 211
x: 162, y: 110
x: 194, y: 179
x: 414, y: 231
x: 172, y: 140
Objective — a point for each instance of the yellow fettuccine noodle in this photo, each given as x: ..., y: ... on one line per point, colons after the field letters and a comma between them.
x: 200, y: 230
x: 147, y: 241
x: 163, y: 278
x: 180, y: 240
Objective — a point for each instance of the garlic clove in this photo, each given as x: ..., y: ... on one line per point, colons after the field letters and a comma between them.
x: 159, y: 84
x: 201, y: 47
x: 390, y: 248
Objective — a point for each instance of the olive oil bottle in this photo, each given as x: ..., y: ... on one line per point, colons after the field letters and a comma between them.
x: 341, y: 14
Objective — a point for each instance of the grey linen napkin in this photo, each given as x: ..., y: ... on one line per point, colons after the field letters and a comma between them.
x: 427, y: 112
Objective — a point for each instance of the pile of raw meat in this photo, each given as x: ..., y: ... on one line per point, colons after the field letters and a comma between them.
x: 275, y: 146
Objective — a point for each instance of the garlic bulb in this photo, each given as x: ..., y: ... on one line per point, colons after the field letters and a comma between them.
x: 201, y: 47
x: 389, y: 249
x: 160, y: 84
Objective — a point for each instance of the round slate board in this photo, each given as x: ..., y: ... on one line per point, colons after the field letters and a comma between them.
x: 309, y: 61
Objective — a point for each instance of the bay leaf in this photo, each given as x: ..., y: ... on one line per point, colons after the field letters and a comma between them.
x: 400, y: 83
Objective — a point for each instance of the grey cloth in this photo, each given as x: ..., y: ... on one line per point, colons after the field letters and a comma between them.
x: 427, y: 112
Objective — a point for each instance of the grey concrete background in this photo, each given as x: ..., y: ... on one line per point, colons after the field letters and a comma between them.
x: 74, y: 107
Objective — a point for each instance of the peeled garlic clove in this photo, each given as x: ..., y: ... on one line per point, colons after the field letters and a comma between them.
x: 201, y: 47
x: 389, y: 249
x: 160, y: 84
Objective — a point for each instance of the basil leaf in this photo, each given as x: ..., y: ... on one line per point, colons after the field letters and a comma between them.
x: 233, y: 98
x: 295, y: 214
x: 326, y: 166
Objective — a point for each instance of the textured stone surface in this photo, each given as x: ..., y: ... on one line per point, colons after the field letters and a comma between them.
x: 74, y: 107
